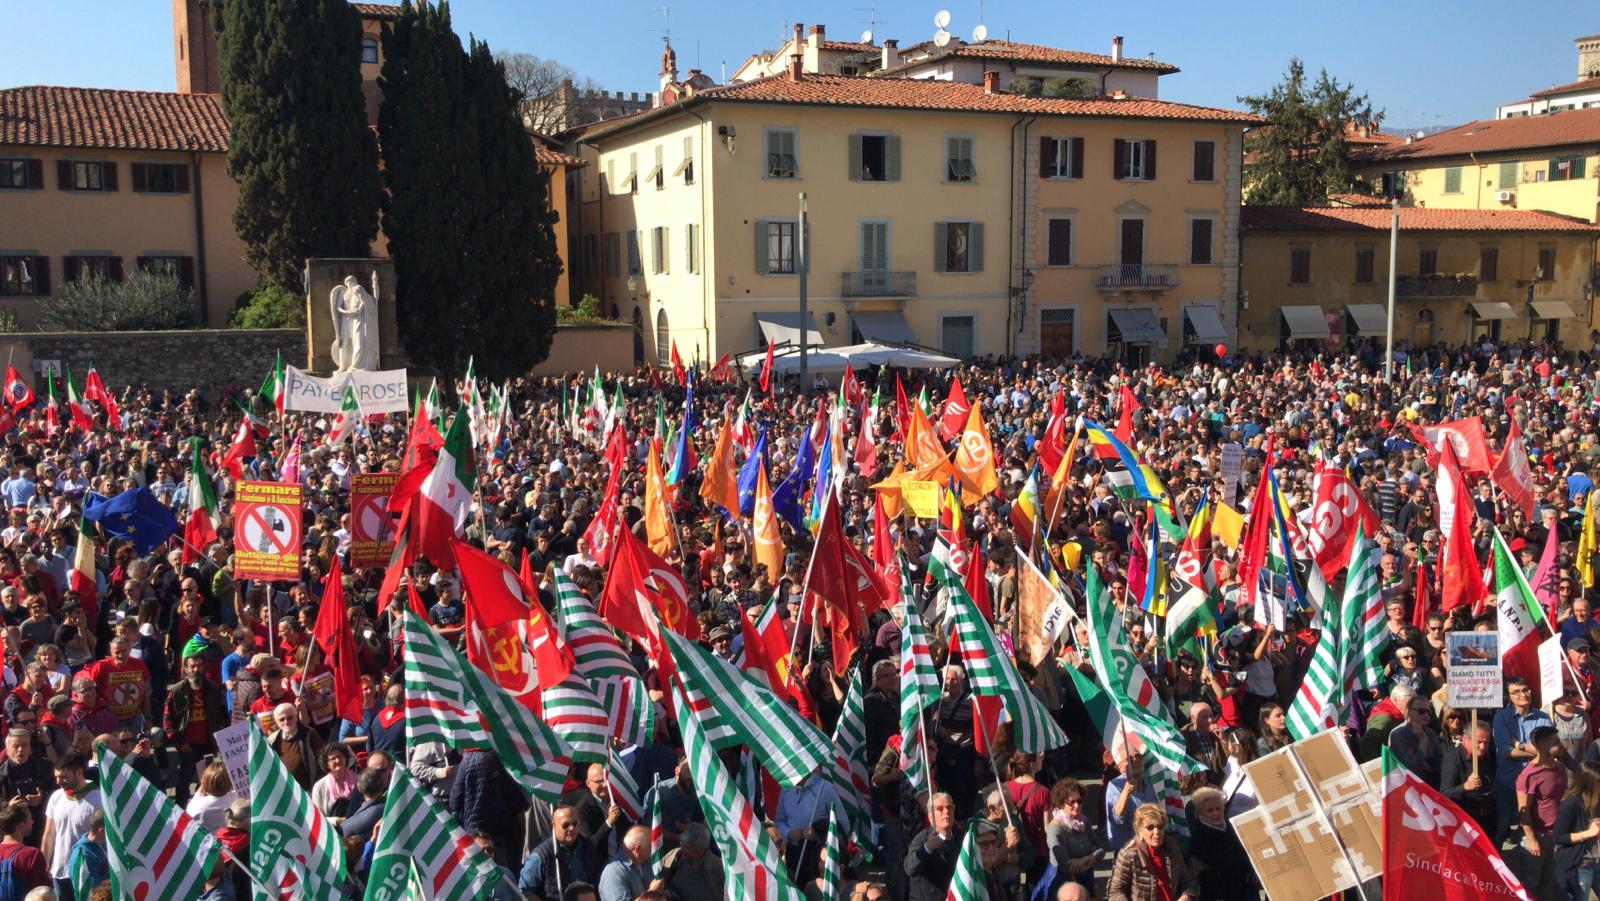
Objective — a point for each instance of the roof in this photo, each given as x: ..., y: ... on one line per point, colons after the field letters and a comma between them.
x: 1565, y: 128
x: 926, y: 94
x: 1357, y: 200
x: 377, y: 10
x: 849, y: 47
x: 1571, y: 87
x: 1016, y: 52
x: 555, y: 157
x: 48, y: 116
x: 1376, y: 219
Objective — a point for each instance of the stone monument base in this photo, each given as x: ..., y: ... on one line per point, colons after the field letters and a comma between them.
x: 321, y: 276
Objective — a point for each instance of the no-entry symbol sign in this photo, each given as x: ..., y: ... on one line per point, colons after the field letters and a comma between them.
x: 267, y: 531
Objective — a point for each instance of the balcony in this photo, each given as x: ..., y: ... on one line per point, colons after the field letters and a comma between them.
x: 872, y: 283
x: 1138, y: 277
x: 1430, y: 286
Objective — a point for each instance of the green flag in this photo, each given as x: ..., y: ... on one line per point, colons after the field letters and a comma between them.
x: 157, y: 852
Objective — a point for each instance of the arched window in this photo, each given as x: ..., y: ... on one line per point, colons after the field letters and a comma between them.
x: 663, y: 339
x: 638, y: 335
x: 369, y: 50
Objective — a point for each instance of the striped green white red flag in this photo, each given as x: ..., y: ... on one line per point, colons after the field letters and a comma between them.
x: 1125, y: 727
x: 293, y: 847
x: 967, y: 882
x: 423, y: 854
x: 851, y: 786
x: 1322, y: 692
x: 658, y: 836
x: 1116, y: 664
x: 573, y: 711
x: 833, y: 858
x: 919, y: 684
x: 624, y: 790
x: 450, y: 700
x: 157, y: 852
x: 600, y: 658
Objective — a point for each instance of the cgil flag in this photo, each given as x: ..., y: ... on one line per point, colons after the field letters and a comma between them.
x: 600, y: 659
x: 157, y: 851
x: 968, y: 882
x: 423, y: 854
x: 1322, y: 692
x: 294, y: 851
x: 851, y: 788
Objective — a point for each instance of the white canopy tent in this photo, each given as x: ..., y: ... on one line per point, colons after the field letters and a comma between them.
x: 833, y: 359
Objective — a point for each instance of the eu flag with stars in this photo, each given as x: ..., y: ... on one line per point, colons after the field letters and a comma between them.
x: 749, y: 471
x: 135, y: 515
x: 786, y: 497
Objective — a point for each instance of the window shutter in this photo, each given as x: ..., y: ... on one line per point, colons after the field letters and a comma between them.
x: 41, y: 276
x: 763, y: 265
x: 1577, y: 166
x: 109, y: 179
x: 1204, y: 160
x: 36, y: 174
x: 69, y: 269
x: 1047, y: 157
x: 115, y: 268
x: 1077, y: 157
x: 140, y: 264
x: 139, y: 182
x: 891, y: 155
x: 1150, y: 160
x: 183, y: 179
x: 666, y: 245
x: 186, y: 272
x: 975, y: 247
x: 941, y: 243
x: 64, y: 174
x: 1119, y: 158
x: 855, y: 158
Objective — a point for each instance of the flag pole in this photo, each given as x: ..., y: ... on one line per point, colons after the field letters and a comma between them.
x: 1472, y: 740
x: 977, y: 715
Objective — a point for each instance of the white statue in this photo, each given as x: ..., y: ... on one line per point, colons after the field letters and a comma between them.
x: 355, y: 325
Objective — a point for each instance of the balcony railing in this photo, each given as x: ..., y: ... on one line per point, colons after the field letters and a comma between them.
x: 1138, y: 277
x: 1435, y: 285
x: 873, y: 283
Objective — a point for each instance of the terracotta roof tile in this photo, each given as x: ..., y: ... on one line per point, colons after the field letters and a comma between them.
x: 377, y: 10
x: 555, y: 157
x: 1571, y: 87
x: 849, y: 47
x: 1016, y: 52
x: 1356, y: 200
x: 1293, y: 218
x: 48, y: 116
x: 1490, y: 135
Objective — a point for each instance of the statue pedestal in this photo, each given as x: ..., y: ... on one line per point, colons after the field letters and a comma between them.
x: 321, y: 276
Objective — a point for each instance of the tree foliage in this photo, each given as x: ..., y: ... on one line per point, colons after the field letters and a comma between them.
x: 466, y: 213
x: 1031, y: 86
x: 300, y: 147
x: 144, y: 301
x: 1301, y: 155
x: 269, y: 306
x: 537, y: 82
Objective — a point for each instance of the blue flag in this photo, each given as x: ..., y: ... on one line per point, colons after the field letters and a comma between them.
x: 786, y: 497
x: 748, y: 473
x: 683, y: 461
x: 135, y: 515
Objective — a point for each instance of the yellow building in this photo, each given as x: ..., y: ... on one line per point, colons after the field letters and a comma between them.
x: 926, y: 206
x: 1549, y: 163
x: 1321, y: 274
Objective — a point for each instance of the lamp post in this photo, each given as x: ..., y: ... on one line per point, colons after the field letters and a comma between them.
x: 1388, y: 332
x: 801, y: 263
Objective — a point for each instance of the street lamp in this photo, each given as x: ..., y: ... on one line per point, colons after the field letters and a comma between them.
x: 802, y: 263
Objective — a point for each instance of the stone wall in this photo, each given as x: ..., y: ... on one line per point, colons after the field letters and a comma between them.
x: 580, y: 348
x: 178, y: 359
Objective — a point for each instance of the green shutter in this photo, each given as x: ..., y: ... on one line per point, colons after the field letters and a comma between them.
x: 1508, y: 176
x: 763, y: 265
x: 891, y: 154
x: 855, y: 158
x: 975, y: 246
x: 941, y: 244
x: 1577, y: 166
x: 1452, y: 180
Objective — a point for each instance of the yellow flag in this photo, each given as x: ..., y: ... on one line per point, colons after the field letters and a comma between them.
x: 769, y: 541
x: 975, y: 460
x: 1586, y: 543
x: 657, y: 522
x: 721, y: 484
x: 1227, y: 525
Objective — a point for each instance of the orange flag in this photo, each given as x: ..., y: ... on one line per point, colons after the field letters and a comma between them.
x: 889, y: 490
x: 975, y: 460
x: 721, y: 484
x: 768, y: 540
x: 922, y: 443
x: 657, y: 522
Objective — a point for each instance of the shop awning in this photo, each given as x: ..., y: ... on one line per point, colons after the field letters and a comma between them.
x: 1305, y: 322
x: 1207, y: 324
x: 1372, y: 319
x: 784, y: 328
x: 884, y: 327
x: 1138, y: 326
x: 1553, y: 309
x: 1489, y: 309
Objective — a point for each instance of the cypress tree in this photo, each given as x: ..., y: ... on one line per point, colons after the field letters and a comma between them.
x: 300, y: 147
x: 465, y: 211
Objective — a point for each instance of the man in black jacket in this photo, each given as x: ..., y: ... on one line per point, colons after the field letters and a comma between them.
x: 194, y: 714
x: 1473, y: 794
x: 931, y: 856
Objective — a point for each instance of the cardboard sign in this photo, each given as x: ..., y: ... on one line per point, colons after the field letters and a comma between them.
x: 1552, y: 685
x: 234, y: 743
x: 921, y: 497
x: 267, y: 531
x: 317, y: 691
x: 1472, y: 664
x: 371, y: 539
x: 1231, y: 466
x: 383, y: 391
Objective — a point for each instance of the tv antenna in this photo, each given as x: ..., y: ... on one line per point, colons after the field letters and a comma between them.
x: 871, y: 9
x: 666, y: 14
x: 982, y: 31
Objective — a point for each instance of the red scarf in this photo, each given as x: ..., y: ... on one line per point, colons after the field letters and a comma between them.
x: 388, y: 716
x: 1158, y: 869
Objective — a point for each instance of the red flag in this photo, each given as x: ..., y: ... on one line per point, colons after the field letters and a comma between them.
x: 1461, y: 578
x: 866, y: 452
x: 422, y: 445
x: 978, y: 586
x: 1425, y: 834
x: 1511, y: 472
x: 902, y: 407
x: 719, y: 370
x: 338, y: 643
x: 953, y: 420
x: 1335, y: 513
x: 19, y: 393
x: 500, y: 616
x: 985, y: 720
x: 766, y: 370
x: 678, y: 372
x: 850, y: 387
x: 1053, y: 446
x: 1466, y: 435
x: 600, y: 532
x: 628, y: 602
x: 883, y: 548
x: 244, y: 445
x: 1253, y: 553
x: 1125, y: 408
x: 828, y: 580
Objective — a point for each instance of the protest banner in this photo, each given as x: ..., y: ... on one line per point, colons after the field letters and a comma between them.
x: 1472, y: 667
x: 921, y: 497
x: 1551, y: 683
x: 371, y: 539
x: 383, y: 391
x: 234, y: 743
x: 317, y: 692
x: 267, y: 531
x: 1231, y: 466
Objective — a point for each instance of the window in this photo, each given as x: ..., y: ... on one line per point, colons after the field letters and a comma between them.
x: 1299, y: 265
x: 958, y: 160
x: 633, y: 173
x: 86, y: 176
x: 613, y: 255
x: 1547, y: 263
x: 180, y: 267
x: 957, y: 336
x: 691, y: 248
x: 1452, y: 180
x: 369, y: 50
x: 1131, y: 243
x: 591, y: 256
x: 658, y: 172
x: 25, y: 275
x: 874, y: 251
x: 1394, y: 185
x: 780, y: 154
x: 849, y: 70
x: 160, y: 178
x: 1485, y: 329
x: 1507, y: 178
x: 874, y: 158
x: 105, y: 268
x: 1205, y: 161
x: 658, y: 250
x: 1488, y: 264
x: 1058, y: 250
x: 663, y: 339
x: 1200, y: 241
x: 775, y: 247
x: 1061, y: 157
x: 1056, y: 337
x: 1427, y: 260
x: 1133, y: 160
x: 21, y: 174
x: 1364, y: 261
x: 633, y: 252
x: 958, y: 246
x: 686, y: 168
x: 1566, y: 168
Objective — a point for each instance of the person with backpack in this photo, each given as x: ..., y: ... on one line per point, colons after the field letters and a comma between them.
x: 88, y: 862
x: 22, y: 867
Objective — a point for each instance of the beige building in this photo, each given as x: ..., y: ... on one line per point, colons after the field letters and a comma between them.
x: 1581, y: 94
x: 1320, y: 275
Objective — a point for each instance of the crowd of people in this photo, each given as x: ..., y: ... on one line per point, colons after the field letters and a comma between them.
x: 169, y: 647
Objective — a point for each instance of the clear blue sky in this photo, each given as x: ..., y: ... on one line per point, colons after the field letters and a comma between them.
x: 1426, y: 70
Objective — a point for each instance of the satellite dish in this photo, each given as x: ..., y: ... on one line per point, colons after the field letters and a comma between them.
x: 866, y: 37
x: 941, y: 38
x: 941, y: 19
x: 979, y: 33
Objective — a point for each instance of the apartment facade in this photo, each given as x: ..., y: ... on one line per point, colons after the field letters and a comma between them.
x: 1583, y: 93
x: 1320, y: 275
x: 923, y: 227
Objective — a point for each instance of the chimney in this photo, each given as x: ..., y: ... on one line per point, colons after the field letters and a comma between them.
x: 991, y: 82
x: 891, y: 53
x: 819, y: 33
x: 796, y: 66
x: 799, y: 34
x: 1116, y: 49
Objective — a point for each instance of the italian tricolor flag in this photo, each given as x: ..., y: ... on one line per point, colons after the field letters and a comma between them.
x: 272, y: 389
x: 199, y: 530
x: 52, y: 409
x: 1522, y: 623
x: 446, y: 494
x: 344, y: 425
x: 80, y: 411
x: 82, y: 580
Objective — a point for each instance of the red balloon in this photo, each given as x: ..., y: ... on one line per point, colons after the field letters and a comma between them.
x: 1222, y: 350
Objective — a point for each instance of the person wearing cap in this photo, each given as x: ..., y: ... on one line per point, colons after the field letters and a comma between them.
x: 1578, y: 675
x: 721, y: 642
